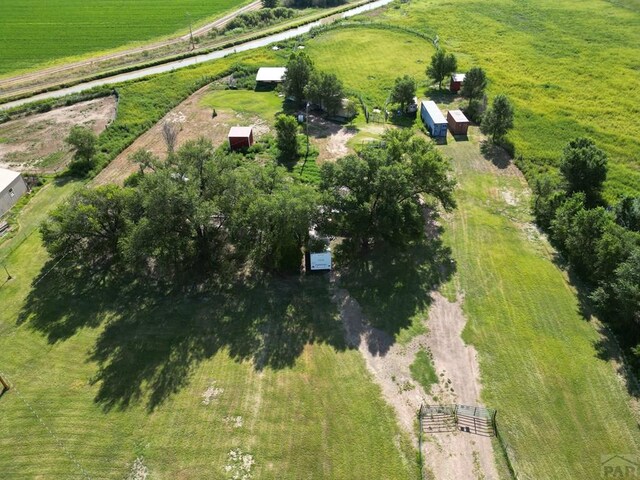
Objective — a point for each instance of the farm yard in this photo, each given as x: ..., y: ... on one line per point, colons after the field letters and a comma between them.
x: 321, y: 376
x: 73, y: 30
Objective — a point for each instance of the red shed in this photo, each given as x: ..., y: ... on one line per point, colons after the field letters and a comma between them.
x: 458, y: 123
x: 240, y: 137
x: 457, y: 79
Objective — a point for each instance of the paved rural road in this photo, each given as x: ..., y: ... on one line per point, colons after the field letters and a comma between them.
x: 218, y: 23
x: 171, y: 66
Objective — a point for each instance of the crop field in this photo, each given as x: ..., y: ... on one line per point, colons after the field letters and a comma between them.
x: 34, y: 32
x: 105, y: 373
x: 571, y: 68
x: 543, y: 366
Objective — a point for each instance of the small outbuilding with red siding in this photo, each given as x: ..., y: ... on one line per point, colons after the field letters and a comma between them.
x: 240, y: 137
x: 458, y: 123
x: 457, y: 79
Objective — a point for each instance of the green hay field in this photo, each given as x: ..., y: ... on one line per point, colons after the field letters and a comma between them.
x: 561, y: 404
x: 35, y: 32
x: 571, y: 68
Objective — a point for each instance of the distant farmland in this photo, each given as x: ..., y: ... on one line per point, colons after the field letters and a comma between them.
x: 35, y: 31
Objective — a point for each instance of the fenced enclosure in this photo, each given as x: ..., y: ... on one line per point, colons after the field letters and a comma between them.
x: 465, y: 418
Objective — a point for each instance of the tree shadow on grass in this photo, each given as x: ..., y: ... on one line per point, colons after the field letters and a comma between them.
x: 496, y: 154
x: 393, y: 285
x: 154, y: 337
x: 609, y: 349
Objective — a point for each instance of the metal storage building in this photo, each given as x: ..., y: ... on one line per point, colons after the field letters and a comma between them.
x: 458, y: 123
x: 271, y: 74
x: 240, y: 137
x: 433, y: 119
x: 12, y: 187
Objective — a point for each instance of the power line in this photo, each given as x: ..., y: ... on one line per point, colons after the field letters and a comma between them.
x: 57, y: 439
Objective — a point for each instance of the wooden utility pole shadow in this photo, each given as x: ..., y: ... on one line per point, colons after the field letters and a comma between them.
x: 5, y: 386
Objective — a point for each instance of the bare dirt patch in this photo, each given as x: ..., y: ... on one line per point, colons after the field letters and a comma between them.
x: 36, y: 143
x: 330, y: 138
x: 448, y: 456
x: 195, y: 121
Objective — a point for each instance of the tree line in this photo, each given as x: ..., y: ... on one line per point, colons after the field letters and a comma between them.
x: 600, y: 242
x: 204, y: 210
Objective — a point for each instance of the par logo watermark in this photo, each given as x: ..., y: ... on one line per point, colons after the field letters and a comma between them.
x: 623, y: 466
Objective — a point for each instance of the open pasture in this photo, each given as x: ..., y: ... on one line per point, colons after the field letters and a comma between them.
x: 571, y: 69
x: 368, y: 60
x: 544, y: 367
x: 34, y: 32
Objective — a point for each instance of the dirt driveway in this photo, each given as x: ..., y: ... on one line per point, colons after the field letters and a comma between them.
x: 448, y: 456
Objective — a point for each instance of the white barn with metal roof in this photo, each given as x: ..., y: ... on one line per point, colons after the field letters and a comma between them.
x: 12, y: 187
x: 271, y: 74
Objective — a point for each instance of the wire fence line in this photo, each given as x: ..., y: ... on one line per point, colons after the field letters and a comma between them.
x: 40, y: 420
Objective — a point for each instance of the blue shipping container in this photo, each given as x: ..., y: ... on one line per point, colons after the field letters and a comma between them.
x: 433, y: 119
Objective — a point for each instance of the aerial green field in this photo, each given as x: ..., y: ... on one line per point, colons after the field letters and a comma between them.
x: 130, y: 366
x: 370, y: 59
x: 34, y: 32
x: 560, y: 405
x: 571, y: 69
x: 105, y: 373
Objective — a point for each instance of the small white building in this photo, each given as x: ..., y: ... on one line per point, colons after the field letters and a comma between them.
x: 271, y: 74
x: 12, y: 187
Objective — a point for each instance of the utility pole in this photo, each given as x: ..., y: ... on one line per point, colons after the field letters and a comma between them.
x: 307, y: 125
x: 190, y: 31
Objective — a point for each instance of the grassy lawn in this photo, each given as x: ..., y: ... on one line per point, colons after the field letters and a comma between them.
x: 29, y: 217
x: 36, y: 32
x: 260, y: 104
x: 560, y: 405
x: 115, y: 371
x: 422, y: 370
x: 570, y: 68
x: 370, y: 59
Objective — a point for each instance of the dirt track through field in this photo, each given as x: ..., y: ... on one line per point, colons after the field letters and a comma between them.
x: 448, y: 456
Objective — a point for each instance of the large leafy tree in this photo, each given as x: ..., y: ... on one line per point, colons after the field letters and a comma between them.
x: 270, y: 219
x: 584, y: 167
x: 577, y: 230
x: 628, y: 213
x: 197, y: 210
x: 89, y: 226
x: 377, y: 194
x: 299, y: 70
x: 325, y: 90
x: 475, y: 83
x: 404, y: 89
x: 287, y: 137
x: 84, y: 141
x: 498, y: 119
x: 173, y: 223
x: 442, y: 65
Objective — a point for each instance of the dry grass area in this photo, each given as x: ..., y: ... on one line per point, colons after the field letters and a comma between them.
x: 330, y: 138
x: 448, y: 456
x: 195, y: 119
x: 36, y: 143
